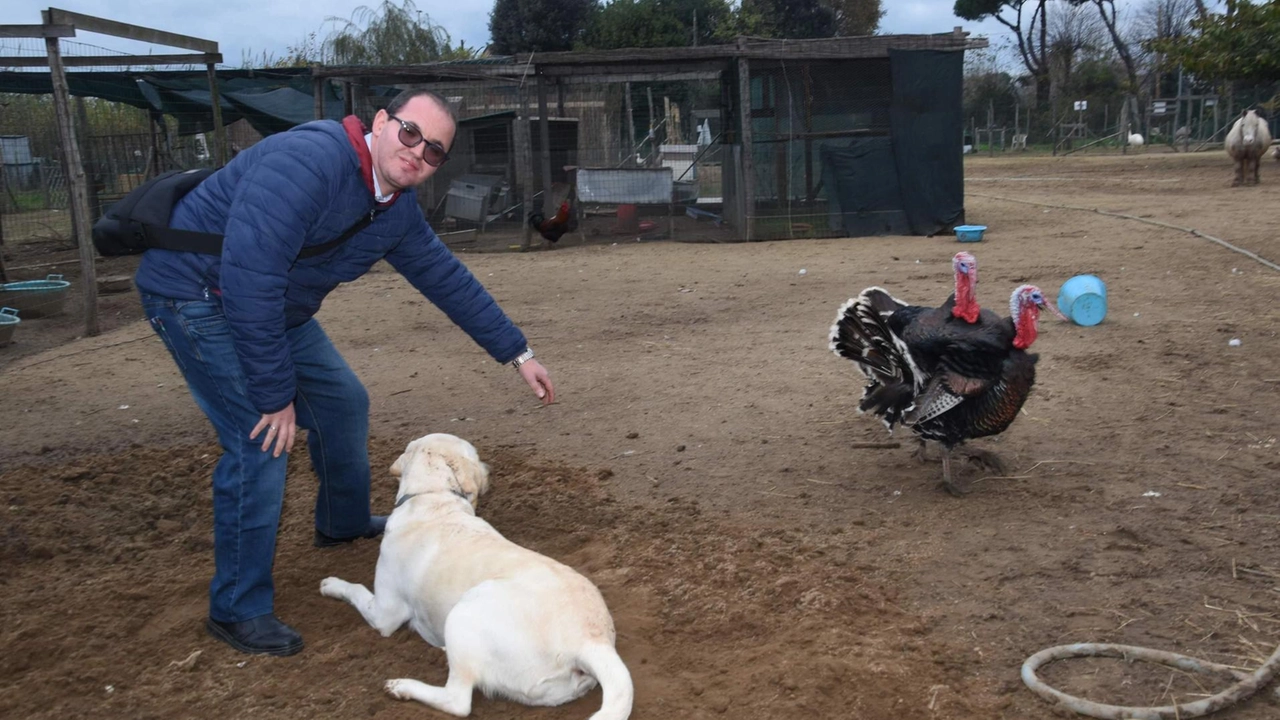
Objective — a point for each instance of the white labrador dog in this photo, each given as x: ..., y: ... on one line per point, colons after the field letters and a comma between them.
x: 513, y: 623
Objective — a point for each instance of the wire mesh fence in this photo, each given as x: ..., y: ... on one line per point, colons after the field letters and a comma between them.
x: 663, y: 155
x: 1099, y: 122
x: 621, y: 160
x: 122, y: 139
x: 659, y: 150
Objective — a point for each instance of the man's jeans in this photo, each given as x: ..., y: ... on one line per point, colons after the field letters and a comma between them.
x: 248, y: 484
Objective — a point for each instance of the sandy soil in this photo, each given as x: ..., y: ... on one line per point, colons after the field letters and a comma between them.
x: 699, y: 468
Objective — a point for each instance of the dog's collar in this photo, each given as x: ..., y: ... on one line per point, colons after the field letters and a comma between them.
x: 405, y: 498
x: 409, y: 496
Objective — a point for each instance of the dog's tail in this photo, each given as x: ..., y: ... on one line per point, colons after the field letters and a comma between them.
x: 602, y: 662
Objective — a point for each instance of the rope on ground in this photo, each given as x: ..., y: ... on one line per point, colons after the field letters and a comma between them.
x: 1193, y: 231
x: 1247, y: 684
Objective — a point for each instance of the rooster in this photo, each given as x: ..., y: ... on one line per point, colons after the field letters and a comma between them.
x: 948, y: 381
x: 562, y: 222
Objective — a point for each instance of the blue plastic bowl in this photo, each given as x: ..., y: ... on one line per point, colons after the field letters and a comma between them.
x: 36, y: 298
x: 8, y: 323
x: 969, y: 233
x: 1083, y: 298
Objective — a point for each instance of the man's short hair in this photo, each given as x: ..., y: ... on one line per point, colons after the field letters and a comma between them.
x: 399, y: 101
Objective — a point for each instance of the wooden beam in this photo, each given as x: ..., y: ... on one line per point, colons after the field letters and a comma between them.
x: 867, y: 46
x: 426, y: 72
x: 36, y: 31
x: 114, y: 60
x: 602, y: 78
x: 219, y: 130
x: 74, y: 170
x: 90, y: 23
x: 640, y: 72
x: 544, y: 134
x: 748, y: 188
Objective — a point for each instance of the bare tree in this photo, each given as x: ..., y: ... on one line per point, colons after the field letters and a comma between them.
x: 1074, y: 32
x: 1111, y: 21
x: 1166, y: 18
x: 1032, y: 38
x: 1161, y: 20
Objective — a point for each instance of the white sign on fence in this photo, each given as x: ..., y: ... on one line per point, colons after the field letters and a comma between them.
x: 1082, y: 105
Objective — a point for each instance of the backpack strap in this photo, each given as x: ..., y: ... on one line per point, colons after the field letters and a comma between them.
x: 322, y: 248
x: 167, y: 238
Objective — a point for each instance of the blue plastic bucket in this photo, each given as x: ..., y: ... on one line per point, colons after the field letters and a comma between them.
x: 969, y: 233
x: 1083, y: 298
x: 8, y: 323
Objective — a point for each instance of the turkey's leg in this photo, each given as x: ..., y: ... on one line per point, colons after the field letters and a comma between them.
x: 947, y: 483
x: 922, y: 451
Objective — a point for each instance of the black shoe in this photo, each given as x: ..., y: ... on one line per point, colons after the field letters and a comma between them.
x: 263, y: 635
x: 377, y: 524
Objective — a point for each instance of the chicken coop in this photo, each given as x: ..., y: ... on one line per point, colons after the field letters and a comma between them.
x: 755, y: 140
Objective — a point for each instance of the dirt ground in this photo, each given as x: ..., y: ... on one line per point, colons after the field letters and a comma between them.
x: 698, y: 467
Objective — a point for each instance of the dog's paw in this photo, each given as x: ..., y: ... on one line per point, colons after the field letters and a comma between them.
x: 398, y: 689
x: 333, y: 587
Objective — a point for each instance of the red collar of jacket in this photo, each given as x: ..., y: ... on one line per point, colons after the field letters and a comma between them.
x: 355, y: 133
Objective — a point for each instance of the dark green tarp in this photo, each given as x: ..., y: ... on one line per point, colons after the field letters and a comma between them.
x: 912, y: 181
x: 926, y: 122
x: 270, y: 100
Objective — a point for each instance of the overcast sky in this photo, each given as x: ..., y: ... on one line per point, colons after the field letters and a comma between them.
x: 255, y: 26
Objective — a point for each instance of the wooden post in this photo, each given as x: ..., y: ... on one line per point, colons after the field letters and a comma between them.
x: 74, y: 170
x: 672, y: 135
x: 559, y: 99
x: 631, y: 130
x: 809, y: 194
x: 317, y: 89
x: 219, y: 130
x: 1124, y: 126
x: 154, y: 118
x: 653, y: 140
x: 348, y: 102
x: 4, y: 274
x: 360, y: 102
x: 748, y: 188
x: 991, y: 114
x: 544, y: 136
x: 524, y: 165
x: 91, y: 170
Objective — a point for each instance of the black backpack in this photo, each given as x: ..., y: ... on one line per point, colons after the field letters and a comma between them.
x: 140, y: 220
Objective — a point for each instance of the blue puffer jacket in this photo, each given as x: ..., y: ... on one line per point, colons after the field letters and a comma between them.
x: 294, y: 189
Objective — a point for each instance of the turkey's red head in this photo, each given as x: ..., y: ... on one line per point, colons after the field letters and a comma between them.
x: 966, y: 269
x: 1024, y: 307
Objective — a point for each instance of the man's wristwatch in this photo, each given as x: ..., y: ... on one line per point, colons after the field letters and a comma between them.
x: 522, y: 358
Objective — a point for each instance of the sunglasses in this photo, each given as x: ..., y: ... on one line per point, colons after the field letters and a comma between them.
x: 433, y: 154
